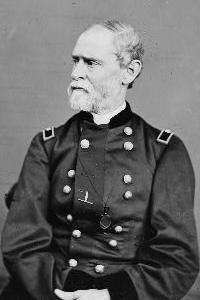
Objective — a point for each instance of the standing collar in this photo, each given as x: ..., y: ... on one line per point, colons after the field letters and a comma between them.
x: 118, y: 120
x: 105, y: 118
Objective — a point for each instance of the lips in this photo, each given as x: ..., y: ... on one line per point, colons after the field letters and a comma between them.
x: 79, y: 88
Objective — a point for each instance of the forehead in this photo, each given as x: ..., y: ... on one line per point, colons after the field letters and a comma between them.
x: 95, y: 42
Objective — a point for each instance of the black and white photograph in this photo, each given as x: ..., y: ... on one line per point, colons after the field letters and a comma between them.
x: 99, y: 149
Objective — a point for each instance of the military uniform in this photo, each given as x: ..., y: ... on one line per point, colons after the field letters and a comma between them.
x: 104, y: 206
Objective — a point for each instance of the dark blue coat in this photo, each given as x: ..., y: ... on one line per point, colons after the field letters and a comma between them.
x: 54, y: 235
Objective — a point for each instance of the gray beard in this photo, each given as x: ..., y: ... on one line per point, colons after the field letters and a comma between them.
x: 99, y: 101
x: 83, y: 101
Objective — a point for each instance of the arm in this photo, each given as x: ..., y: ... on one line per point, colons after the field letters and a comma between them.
x: 26, y: 236
x: 167, y: 261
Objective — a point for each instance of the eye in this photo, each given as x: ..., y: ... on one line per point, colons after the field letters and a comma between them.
x: 91, y: 63
x: 75, y: 60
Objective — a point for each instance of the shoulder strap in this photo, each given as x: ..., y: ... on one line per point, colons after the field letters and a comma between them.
x: 164, y: 136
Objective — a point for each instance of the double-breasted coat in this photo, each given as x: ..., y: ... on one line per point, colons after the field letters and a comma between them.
x: 103, y: 206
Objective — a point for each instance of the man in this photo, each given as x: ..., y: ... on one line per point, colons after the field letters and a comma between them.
x: 103, y: 208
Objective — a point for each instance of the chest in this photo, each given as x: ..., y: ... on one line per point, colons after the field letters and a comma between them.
x: 102, y: 168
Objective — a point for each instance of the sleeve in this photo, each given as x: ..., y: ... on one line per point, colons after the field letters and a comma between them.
x: 9, y: 195
x: 166, y: 264
x: 26, y: 236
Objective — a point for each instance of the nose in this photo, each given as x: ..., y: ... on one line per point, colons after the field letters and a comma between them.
x: 79, y: 70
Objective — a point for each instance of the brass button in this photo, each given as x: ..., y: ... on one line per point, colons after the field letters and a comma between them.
x: 128, y: 195
x: 99, y: 268
x: 73, y: 262
x: 113, y: 243
x: 127, y: 178
x: 128, y: 146
x: 128, y: 130
x: 71, y: 173
x: 85, y: 144
x: 76, y: 233
x: 118, y: 228
x: 66, y: 189
x: 69, y: 218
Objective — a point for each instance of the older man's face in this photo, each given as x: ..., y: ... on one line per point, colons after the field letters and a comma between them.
x: 96, y: 76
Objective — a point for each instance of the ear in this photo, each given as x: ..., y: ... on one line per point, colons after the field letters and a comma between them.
x: 131, y: 71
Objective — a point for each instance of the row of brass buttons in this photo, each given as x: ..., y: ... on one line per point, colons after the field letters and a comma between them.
x: 128, y: 194
x: 85, y: 144
x: 98, y: 268
x: 76, y: 233
x: 127, y: 180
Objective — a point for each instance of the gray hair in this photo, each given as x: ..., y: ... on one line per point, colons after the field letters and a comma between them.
x: 126, y: 42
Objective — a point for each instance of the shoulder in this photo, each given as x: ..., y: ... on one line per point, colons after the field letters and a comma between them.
x: 160, y: 140
x: 45, y: 140
x: 169, y: 151
x: 159, y: 136
x: 51, y: 133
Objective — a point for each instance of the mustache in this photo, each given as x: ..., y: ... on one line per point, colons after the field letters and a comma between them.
x: 80, y: 85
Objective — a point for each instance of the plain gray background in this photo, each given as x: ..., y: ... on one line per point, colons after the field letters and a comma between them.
x: 36, y: 41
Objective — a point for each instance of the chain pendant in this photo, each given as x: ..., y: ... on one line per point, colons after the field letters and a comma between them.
x: 105, y: 219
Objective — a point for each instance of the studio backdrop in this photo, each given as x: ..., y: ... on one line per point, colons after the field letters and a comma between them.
x: 36, y: 41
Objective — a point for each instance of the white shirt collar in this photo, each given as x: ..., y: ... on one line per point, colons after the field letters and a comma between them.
x: 105, y: 118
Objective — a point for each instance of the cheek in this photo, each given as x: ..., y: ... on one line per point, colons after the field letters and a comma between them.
x: 105, y: 75
x: 105, y: 81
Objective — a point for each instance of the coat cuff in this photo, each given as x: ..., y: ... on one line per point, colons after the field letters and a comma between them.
x: 119, y: 285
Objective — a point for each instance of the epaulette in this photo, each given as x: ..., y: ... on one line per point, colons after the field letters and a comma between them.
x: 164, y: 136
x: 48, y: 133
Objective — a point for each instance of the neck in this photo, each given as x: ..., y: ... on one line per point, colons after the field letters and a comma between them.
x: 104, y: 118
x: 114, y: 102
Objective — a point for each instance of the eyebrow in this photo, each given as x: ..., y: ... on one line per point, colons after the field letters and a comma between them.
x: 87, y: 58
